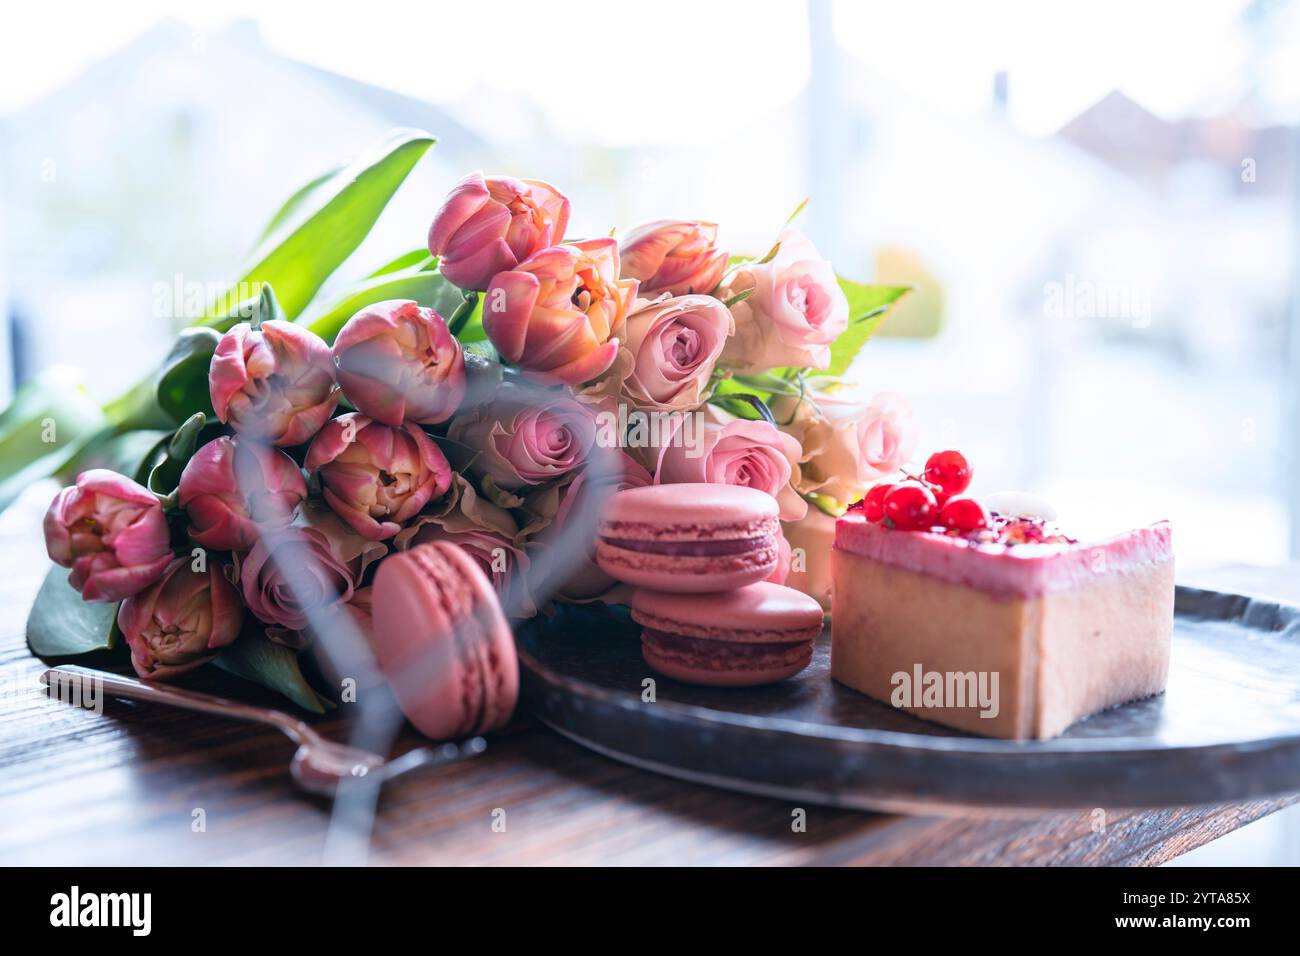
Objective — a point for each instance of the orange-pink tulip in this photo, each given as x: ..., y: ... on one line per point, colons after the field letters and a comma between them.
x: 559, y: 313
x: 677, y: 256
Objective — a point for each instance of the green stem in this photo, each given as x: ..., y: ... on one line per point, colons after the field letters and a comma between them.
x: 462, y: 313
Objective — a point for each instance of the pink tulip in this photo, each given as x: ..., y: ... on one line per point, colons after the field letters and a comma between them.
x: 274, y: 383
x: 374, y: 476
x: 111, y: 532
x: 292, y: 575
x: 181, y: 621
x: 520, y: 442
x: 235, y: 490
x: 397, y: 361
x: 557, y: 314
x: 490, y: 225
x: 677, y: 256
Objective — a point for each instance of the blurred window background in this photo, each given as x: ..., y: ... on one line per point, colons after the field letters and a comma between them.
x: 1095, y: 202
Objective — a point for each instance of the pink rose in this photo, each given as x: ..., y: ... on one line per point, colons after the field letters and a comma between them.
x: 796, y: 309
x: 813, y: 536
x: 294, y: 576
x: 397, y: 361
x: 489, y: 225
x: 734, y: 451
x: 235, y: 490
x: 580, y: 503
x: 528, y: 439
x: 674, y: 344
x: 180, y: 621
x: 677, y: 256
x: 557, y: 314
x: 274, y: 383
x: 111, y: 532
x: 374, y: 476
x: 847, y: 446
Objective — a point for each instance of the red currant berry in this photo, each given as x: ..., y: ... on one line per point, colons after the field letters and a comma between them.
x: 911, y: 506
x: 949, y: 470
x: 964, y: 514
x: 873, y: 505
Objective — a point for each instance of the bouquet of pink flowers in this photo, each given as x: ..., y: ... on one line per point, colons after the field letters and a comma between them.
x: 489, y: 392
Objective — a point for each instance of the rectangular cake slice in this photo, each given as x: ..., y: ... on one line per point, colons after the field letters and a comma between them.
x: 1017, y: 632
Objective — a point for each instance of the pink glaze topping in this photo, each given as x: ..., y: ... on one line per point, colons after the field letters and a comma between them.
x: 1017, y: 569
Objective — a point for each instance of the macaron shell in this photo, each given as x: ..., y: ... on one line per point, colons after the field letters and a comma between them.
x: 686, y: 574
x: 761, y: 612
x: 699, y: 506
x: 441, y: 638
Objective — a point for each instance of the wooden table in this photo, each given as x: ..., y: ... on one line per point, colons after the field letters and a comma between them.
x: 132, y: 785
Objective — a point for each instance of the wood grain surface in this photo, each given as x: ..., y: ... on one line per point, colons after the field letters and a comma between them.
x: 131, y: 785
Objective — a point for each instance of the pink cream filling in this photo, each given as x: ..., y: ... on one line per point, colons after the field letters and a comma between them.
x: 695, y: 549
x: 1024, y: 569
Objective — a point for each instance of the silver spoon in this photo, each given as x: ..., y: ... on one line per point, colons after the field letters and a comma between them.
x: 318, y: 766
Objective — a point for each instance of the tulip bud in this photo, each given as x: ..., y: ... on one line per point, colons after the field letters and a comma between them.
x: 111, y: 532
x: 274, y: 383
x: 181, y: 621
x: 557, y: 314
x: 397, y: 361
x: 374, y: 476
x: 490, y: 225
x: 677, y: 256
x: 235, y: 490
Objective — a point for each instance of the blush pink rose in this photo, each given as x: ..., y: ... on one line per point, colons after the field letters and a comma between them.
x: 847, y: 446
x: 374, y: 476
x: 398, y: 361
x: 292, y: 575
x: 491, y: 224
x: 734, y: 451
x: 674, y: 346
x: 580, y: 502
x: 111, y: 532
x: 794, y: 311
x: 235, y: 490
x: 180, y: 621
x: 676, y: 256
x: 558, y: 313
x: 274, y: 383
x: 520, y: 443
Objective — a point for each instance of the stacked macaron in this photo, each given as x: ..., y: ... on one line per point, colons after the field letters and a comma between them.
x: 699, y: 555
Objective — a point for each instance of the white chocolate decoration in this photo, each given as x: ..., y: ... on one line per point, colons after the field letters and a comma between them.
x: 1020, y: 504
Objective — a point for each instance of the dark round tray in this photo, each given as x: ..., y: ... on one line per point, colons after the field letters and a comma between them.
x: 1227, y: 728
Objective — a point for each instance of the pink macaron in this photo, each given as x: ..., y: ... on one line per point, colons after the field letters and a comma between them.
x: 754, y: 635
x: 689, y: 538
x: 443, y: 642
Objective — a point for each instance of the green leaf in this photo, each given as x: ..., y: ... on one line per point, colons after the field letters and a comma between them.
x: 868, y: 306
x: 324, y: 222
x: 429, y: 289
x: 738, y: 297
x: 61, y: 624
x: 165, y: 475
x: 256, y: 658
x: 798, y: 209
x: 183, y: 379
x: 745, y: 405
x: 50, y: 421
x: 415, y: 259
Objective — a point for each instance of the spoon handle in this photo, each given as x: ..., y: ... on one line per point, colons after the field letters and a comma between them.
x: 72, y: 675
